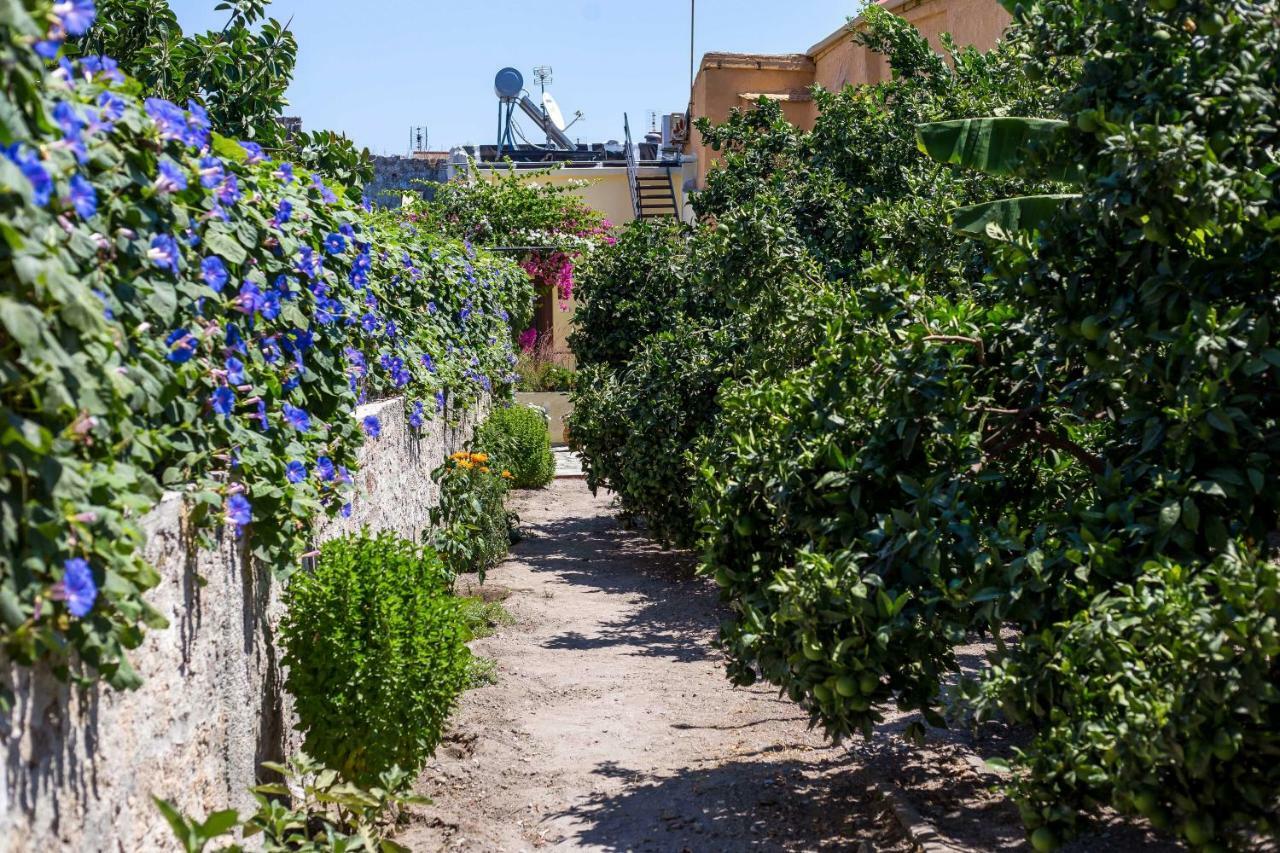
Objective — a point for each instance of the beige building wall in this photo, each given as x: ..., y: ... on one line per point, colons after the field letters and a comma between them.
x: 729, y: 80
x: 606, y: 190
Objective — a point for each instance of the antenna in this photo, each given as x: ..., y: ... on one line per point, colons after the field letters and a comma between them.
x: 653, y: 121
x: 419, y: 139
x: 543, y: 75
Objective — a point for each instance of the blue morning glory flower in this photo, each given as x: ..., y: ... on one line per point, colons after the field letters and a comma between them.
x: 284, y: 212
x: 212, y: 172
x: 256, y: 154
x: 164, y: 252
x: 346, y: 510
x: 440, y: 401
x: 297, y: 418
x: 47, y: 48
x: 171, y: 178
x: 346, y: 230
x: 28, y: 162
x: 428, y: 363
x: 229, y: 192
x: 223, y: 400
x: 68, y: 120
x: 431, y: 307
x: 249, y: 301
x: 269, y: 306
x: 104, y: 66
x: 197, y: 131
x: 182, y: 346
x: 325, y: 469
x: 369, y: 322
x: 334, y: 244
x: 262, y: 416
x: 239, y: 510
x: 76, y: 16
x: 167, y: 116
x: 214, y: 272
x: 77, y: 587
x: 325, y: 193
x: 372, y: 426
x: 235, y: 371
x: 285, y: 172
x: 83, y: 197
x: 415, y: 417
x: 295, y: 472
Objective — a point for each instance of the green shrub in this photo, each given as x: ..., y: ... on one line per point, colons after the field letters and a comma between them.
x: 374, y: 644
x: 471, y: 528
x: 517, y: 440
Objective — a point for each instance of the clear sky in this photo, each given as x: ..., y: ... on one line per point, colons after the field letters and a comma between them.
x: 373, y: 69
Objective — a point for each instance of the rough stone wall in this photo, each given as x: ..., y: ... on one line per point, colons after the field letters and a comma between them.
x: 394, y: 177
x: 81, y: 765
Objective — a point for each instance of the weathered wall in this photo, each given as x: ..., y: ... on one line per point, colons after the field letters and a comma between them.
x: 729, y: 80
x: 395, y: 177
x: 81, y: 765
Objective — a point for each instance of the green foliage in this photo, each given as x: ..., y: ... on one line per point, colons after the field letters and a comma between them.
x: 374, y: 644
x: 483, y: 618
x: 471, y: 527
x: 314, y: 810
x: 514, y: 209
x: 631, y: 292
x: 518, y: 442
x: 239, y: 73
x: 538, y: 374
x: 118, y: 346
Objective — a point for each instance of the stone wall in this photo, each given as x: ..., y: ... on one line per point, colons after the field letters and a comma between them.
x: 394, y: 177
x: 81, y: 765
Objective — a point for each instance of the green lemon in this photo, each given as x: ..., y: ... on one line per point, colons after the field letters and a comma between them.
x: 868, y: 683
x: 822, y: 692
x: 813, y: 650
x: 1087, y: 121
x: 1043, y: 840
x: 846, y: 686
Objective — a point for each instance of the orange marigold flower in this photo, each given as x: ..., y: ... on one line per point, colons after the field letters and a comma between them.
x: 484, y: 470
x: 507, y: 475
x: 479, y: 457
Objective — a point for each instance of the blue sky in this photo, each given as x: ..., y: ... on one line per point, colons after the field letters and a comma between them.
x: 376, y: 68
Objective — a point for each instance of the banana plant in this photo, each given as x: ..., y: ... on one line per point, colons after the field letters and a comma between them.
x: 1003, y: 146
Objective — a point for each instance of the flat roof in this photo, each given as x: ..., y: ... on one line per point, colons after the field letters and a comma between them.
x: 759, y: 61
x: 843, y: 33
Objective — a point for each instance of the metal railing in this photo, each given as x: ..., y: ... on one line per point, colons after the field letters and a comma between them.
x: 633, y: 166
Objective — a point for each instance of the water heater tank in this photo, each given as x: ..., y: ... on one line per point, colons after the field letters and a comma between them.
x: 508, y: 84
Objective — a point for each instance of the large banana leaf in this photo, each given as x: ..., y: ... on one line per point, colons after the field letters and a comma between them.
x: 997, y: 146
x: 1000, y: 220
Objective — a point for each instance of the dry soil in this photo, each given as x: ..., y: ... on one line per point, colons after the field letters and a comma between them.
x: 612, y: 727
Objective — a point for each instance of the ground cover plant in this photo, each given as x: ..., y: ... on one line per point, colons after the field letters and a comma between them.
x: 183, y: 311
x: 517, y: 441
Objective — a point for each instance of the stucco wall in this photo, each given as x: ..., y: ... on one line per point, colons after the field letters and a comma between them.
x: 81, y: 765
x: 833, y: 63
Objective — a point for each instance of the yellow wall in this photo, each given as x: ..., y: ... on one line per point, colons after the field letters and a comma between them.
x: 725, y: 79
x: 607, y: 191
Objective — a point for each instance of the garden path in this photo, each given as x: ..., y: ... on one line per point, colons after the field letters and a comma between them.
x: 612, y: 727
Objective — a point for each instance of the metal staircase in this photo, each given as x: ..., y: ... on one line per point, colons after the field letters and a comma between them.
x: 652, y: 196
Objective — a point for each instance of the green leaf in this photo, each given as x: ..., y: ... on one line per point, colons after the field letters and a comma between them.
x: 219, y: 823
x: 996, y: 146
x: 1000, y: 220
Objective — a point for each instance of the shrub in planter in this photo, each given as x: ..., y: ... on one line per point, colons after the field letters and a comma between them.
x: 518, y: 441
x: 472, y: 529
x: 374, y: 644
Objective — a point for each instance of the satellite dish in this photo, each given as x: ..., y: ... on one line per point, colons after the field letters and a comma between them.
x: 508, y: 84
x: 553, y: 110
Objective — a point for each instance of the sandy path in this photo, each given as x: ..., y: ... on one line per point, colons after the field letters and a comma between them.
x: 612, y: 726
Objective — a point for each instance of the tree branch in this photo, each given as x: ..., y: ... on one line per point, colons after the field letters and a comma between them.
x: 961, y: 339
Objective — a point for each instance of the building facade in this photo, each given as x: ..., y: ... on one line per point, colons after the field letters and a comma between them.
x: 728, y: 81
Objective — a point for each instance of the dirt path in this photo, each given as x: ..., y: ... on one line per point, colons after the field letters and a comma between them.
x: 612, y: 726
